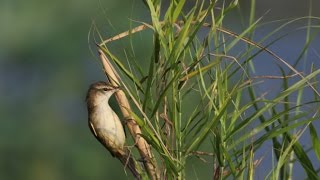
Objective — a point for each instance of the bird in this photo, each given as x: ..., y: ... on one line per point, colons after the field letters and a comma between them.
x: 105, y: 124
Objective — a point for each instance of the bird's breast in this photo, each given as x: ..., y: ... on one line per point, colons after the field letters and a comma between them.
x: 108, y: 123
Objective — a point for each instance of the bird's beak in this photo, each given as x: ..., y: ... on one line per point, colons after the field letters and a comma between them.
x: 117, y: 88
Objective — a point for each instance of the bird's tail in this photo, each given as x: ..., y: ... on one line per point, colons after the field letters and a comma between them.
x: 128, y: 161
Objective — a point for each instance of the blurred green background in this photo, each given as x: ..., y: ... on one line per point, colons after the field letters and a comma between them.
x: 45, y: 69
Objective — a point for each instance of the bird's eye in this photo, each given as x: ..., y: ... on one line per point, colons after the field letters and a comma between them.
x: 105, y: 89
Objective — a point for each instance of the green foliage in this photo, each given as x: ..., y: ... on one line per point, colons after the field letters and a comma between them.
x: 196, y: 99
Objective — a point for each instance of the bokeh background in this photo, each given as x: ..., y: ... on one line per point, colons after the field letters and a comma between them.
x: 46, y: 67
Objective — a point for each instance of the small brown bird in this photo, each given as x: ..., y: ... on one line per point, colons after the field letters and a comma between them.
x: 106, y: 125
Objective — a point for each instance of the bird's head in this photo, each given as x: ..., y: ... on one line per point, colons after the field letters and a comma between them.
x: 100, y: 91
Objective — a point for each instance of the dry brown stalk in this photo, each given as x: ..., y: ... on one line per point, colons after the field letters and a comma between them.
x: 141, y: 144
